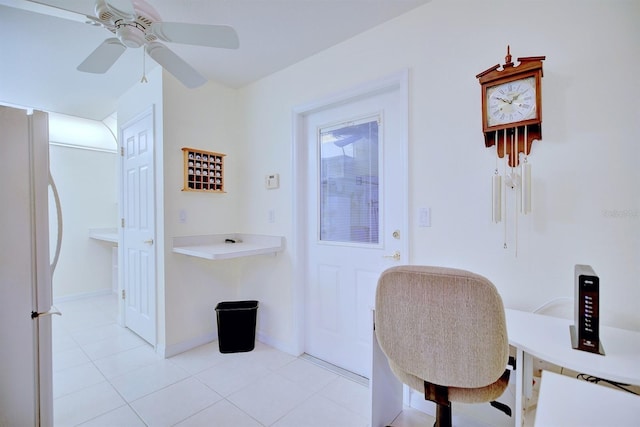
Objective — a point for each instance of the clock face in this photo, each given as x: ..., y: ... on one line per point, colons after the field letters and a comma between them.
x: 511, y: 102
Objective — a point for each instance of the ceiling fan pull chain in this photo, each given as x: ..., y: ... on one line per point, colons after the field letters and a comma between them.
x: 144, y: 76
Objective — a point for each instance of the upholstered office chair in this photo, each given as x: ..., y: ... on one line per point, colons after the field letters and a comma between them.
x: 444, y: 332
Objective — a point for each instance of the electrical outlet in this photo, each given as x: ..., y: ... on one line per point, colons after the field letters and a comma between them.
x: 424, y: 217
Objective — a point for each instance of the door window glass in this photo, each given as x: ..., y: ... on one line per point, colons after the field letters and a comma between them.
x: 349, y: 176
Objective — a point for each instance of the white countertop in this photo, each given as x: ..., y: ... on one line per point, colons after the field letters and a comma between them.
x: 104, y: 234
x: 548, y: 338
x: 214, y: 247
x: 565, y: 401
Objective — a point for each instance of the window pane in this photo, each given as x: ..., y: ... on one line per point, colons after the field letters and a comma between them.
x: 349, y: 191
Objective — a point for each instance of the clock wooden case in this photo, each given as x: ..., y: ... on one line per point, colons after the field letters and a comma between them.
x: 512, y: 105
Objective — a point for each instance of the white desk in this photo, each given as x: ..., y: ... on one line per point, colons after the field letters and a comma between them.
x: 532, y: 335
x: 215, y: 247
x: 565, y: 402
x: 548, y: 338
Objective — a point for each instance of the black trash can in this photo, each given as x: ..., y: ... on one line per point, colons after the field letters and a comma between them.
x: 236, y: 326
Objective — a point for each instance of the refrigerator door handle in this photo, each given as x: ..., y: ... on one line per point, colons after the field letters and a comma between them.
x: 56, y: 198
x: 52, y: 310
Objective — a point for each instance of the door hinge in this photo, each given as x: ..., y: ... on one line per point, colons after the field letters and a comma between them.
x: 122, y: 151
x: 124, y: 294
x: 122, y: 222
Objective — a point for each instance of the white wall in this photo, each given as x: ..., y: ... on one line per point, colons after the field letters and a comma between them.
x: 87, y: 186
x: 207, y: 119
x: 204, y: 118
x: 586, y: 200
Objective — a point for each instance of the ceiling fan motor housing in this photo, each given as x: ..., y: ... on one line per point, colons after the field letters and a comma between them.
x: 131, y: 29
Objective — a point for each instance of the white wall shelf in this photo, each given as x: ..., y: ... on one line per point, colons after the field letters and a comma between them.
x: 104, y: 234
x: 215, y: 247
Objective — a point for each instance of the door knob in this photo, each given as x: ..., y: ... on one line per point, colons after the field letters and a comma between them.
x: 148, y: 242
x: 395, y: 256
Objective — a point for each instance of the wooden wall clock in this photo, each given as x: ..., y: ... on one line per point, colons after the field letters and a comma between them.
x: 512, y: 106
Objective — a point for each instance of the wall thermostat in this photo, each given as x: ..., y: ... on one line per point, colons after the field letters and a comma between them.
x: 272, y: 181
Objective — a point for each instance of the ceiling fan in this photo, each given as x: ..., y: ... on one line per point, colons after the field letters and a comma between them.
x: 135, y: 24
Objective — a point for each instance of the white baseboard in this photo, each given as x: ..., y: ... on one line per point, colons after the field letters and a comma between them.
x: 181, y: 347
x: 83, y: 295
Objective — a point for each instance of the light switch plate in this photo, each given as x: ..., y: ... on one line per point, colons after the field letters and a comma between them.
x: 272, y: 181
x: 424, y: 217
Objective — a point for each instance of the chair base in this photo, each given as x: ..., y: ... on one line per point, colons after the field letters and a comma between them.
x: 440, y: 396
x: 443, y: 415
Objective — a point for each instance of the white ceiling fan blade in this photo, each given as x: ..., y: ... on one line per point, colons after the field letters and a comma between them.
x: 175, y: 65
x: 221, y: 36
x: 125, y: 7
x: 56, y: 8
x: 103, y: 57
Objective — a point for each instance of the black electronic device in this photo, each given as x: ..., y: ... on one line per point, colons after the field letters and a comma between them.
x: 585, y: 332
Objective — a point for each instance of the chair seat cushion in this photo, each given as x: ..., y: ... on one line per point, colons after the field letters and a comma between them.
x: 457, y: 394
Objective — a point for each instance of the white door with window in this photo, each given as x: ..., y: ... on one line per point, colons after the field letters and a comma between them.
x: 356, y: 220
x: 138, y: 252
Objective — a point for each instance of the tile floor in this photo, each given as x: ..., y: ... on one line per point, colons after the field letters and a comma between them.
x: 104, y: 375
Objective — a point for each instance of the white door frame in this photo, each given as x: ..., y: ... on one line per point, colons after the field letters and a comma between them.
x: 396, y: 82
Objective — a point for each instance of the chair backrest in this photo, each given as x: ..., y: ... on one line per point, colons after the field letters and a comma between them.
x: 443, y: 325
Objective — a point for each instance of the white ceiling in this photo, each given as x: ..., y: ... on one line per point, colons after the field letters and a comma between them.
x: 39, y: 52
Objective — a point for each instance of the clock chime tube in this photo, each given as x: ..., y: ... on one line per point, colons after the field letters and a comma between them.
x: 497, y: 198
x: 525, y: 191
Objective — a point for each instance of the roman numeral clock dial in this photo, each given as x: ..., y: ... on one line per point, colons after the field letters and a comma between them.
x: 511, y: 102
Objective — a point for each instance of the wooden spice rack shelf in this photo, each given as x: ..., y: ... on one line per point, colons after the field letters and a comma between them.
x: 203, y: 171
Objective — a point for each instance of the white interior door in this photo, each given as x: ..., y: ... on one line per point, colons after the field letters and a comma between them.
x: 26, y: 396
x: 356, y: 204
x: 139, y: 231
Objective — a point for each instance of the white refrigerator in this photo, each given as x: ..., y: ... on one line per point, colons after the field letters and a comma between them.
x: 26, y: 397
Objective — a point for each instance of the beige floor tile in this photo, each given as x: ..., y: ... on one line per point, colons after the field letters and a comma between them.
x: 318, y: 411
x: 175, y: 403
x: 86, y: 404
x: 232, y: 375
x: 148, y: 379
x: 124, y: 416
x: 75, y: 378
x: 269, y: 398
x: 348, y: 394
x: 222, y: 413
x: 200, y: 358
x: 127, y: 361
